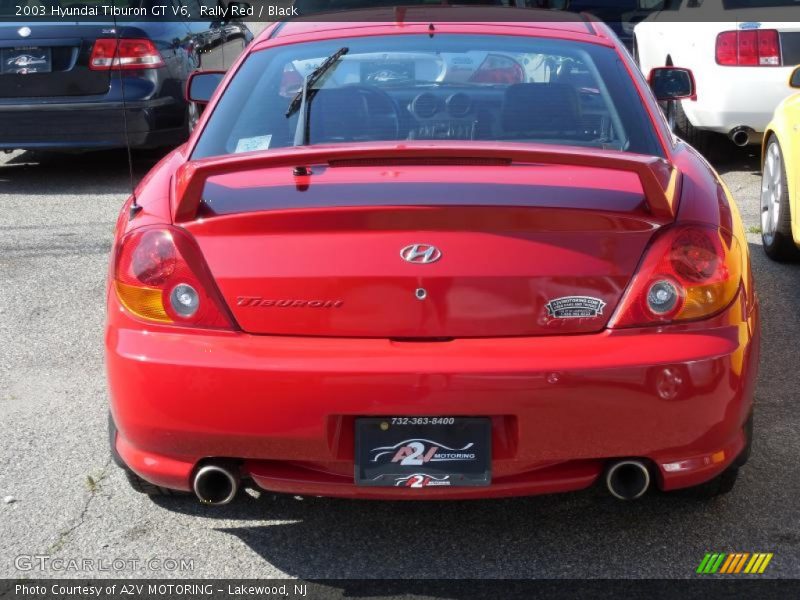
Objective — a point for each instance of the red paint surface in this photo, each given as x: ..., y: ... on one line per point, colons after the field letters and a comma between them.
x: 281, y: 390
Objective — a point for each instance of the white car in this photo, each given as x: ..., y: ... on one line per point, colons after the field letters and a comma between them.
x: 741, y: 56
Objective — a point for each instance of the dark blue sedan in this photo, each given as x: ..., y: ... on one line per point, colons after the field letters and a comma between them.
x: 61, y: 84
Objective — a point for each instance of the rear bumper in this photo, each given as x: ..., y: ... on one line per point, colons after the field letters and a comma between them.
x: 67, y: 124
x: 731, y: 97
x: 560, y: 406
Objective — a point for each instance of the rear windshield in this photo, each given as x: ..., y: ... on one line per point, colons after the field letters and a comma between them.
x: 444, y: 87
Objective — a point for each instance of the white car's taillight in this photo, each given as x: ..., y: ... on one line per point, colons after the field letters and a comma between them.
x: 749, y: 48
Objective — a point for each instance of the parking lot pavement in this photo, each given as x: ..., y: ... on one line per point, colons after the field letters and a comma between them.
x: 60, y: 496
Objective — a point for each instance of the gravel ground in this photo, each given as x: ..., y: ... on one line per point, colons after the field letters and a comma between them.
x: 61, y: 497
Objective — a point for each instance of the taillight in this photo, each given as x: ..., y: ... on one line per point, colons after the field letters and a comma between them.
x: 128, y: 54
x: 160, y: 276
x: 689, y: 272
x: 750, y: 47
x: 497, y: 68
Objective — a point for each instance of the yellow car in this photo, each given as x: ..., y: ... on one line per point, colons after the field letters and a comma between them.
x: 780, y: 179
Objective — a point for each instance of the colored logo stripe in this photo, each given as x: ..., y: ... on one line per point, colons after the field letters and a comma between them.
x: 758, y: 563
x: 720, y: 562
x: 735, y: 562
x: 711, y: 563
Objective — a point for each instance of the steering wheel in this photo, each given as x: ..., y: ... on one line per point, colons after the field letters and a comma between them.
x: 372, y: 116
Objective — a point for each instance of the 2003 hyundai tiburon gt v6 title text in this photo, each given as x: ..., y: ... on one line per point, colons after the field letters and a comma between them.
x: 432, y: 260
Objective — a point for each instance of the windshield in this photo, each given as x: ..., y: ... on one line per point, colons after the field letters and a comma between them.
x: 445, y: 87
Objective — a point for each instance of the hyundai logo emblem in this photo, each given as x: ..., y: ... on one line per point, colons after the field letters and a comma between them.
x: 24, y: 31
x: 420, y: 254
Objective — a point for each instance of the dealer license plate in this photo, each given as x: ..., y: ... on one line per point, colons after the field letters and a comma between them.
x: 25, y: 60
x: 417, y: 452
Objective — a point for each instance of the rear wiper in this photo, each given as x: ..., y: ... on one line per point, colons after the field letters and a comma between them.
x: 303, y: 98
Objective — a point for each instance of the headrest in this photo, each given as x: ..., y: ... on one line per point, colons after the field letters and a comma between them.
x: 539, y: 109
x: 337, y: 114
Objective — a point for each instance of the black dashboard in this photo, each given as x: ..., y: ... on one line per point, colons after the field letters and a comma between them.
x: 466, y: 112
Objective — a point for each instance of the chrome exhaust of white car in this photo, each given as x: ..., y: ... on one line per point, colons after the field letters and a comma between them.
x: 741, y: 135
x: 628, y: 479
x: 215, y: 484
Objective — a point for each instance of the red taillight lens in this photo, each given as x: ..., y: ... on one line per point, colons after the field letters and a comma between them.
x: 727, y: 51
x: 499, y: 69
x: 769, y: 48
x: 753, y: 47
x: 160, y: 275
x: 688, y: 273
x: 128, y: 54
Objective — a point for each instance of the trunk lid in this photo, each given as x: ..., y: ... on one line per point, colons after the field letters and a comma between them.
x: 518, y: 249
x: 50, y: 59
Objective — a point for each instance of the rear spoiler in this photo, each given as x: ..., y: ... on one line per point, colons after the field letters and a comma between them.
x: 659, y: 178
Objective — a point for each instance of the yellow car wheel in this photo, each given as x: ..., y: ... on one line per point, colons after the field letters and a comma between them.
x: 776, y: 221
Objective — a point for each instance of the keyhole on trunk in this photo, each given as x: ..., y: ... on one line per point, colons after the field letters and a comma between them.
x: 421, y: 294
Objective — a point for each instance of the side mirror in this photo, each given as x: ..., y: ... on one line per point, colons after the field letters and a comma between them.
x: 202, y: 84
x: 672, y: 83
x: 794, y: 80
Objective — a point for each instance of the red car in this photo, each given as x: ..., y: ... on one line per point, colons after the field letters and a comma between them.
x: 417, y: 258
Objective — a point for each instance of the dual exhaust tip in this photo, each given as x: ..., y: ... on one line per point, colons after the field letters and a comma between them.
x: 627, y: 479
x: 216, y: 484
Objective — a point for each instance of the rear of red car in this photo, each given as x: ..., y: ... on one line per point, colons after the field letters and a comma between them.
x: 487, y: 273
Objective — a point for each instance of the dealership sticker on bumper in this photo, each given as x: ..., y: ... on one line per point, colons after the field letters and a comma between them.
x: 417, y: 452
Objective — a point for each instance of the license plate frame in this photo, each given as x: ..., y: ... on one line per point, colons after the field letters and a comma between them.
x: 26, y: 60
x: 419, y: 452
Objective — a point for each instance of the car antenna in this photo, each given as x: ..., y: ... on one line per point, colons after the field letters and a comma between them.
x: 135, y: 207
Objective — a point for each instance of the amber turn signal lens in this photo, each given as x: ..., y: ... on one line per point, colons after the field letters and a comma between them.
x: 143, y: 302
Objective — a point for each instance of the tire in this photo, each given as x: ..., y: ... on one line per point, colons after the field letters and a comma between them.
x: 725, y: 481
x: 112, y: 442
x: 145, y: 487
x: 705, y: 142
x: 136, y: 482
x: 744, y: 455
x: 719, y: 486
x: 776, y: 217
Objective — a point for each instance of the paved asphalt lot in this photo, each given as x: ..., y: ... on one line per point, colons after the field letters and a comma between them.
x: 56, y: 220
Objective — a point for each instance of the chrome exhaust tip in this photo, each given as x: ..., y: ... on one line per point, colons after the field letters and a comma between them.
x: 215, y: 484
x: 740, y: 135
x: 628, y: 479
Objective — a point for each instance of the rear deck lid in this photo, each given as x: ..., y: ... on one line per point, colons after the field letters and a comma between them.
x: 40, y: 60
x: 386, y: 248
